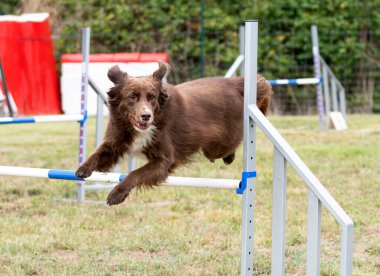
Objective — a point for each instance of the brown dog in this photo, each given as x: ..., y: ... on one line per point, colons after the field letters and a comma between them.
x: 168, y: 124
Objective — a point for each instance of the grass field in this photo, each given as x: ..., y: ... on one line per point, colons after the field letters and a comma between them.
x: 179, y: 231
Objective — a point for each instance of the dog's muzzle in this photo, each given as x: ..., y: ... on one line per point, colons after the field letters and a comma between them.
x: 144, y: 121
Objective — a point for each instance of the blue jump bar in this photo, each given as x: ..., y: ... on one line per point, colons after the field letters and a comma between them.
x: 23, y: 120
x: 70, y: 175
x: 305, y: 81
x: 62, y: 174
x: 122, y: 176
x: 44, y: 118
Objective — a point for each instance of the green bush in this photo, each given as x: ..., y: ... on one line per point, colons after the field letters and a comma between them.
x: 348, y: 34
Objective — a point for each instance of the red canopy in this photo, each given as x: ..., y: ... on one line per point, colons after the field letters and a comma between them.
x: 27, y: 53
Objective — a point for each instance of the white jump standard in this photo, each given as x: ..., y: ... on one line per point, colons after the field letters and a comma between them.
x: 323, y: 84
x: 83, y: 106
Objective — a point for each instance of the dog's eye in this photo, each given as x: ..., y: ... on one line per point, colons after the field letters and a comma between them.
x: 132, y: 97
x: 151, y: 98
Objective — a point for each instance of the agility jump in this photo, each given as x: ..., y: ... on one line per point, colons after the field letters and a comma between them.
x: 283, y: 153
x: 330, y: 105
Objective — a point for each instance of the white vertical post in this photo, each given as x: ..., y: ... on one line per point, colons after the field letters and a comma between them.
x: 326, y: 90
x: 99, y: 121
x: 342, y: 102
x: 317, y: 73
x: 101, y: 100
x: 84, y: 85
x: 249, y: 145
x: 334, y: 94
x: 313, y: 234
x: 279, y: 213
x: 347, y: 249
x: 241, y: 47
x: 131, y: 163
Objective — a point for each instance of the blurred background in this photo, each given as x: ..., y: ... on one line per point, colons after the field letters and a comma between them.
x: 202, y: 39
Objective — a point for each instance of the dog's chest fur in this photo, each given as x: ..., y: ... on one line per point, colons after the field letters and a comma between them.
x: 142, y: 140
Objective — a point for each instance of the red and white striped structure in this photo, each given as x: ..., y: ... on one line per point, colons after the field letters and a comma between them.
x: 136, y: 64
x: 27, y: 54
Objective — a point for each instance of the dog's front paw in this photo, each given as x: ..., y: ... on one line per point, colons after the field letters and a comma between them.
x: 117, y: 195
x: 83, y: 171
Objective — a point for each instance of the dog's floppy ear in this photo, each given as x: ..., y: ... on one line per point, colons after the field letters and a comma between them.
x: 162, y: 97
x: 163, y: 69
x: 114, y: 95
x: 116, y: 75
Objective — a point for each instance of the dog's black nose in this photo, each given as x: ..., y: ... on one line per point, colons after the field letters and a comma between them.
x: 146, y: 116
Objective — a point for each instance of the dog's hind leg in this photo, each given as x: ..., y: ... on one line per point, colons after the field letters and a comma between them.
x: 208, y: 156
x: 216, y: 151
x: 229, y: 159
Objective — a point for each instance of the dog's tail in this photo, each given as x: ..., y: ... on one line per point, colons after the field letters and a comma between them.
x: 264, y: 92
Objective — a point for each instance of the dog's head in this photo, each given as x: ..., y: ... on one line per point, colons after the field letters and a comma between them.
x: 137, y: 100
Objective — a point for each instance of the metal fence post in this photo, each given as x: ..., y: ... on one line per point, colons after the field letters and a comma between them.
x: 132, y: 163
x: 317, y: 72
x: 101, y: 100
x: 326, y: 90
x: 84, y: 86
x: 313, y: 234
x: 346, y: 253
x: 342, y: 102
x: 249, y: 144
x: 241, y: 47
x: 99, y: 121
x: 279, y: 213
x: 334, y: 94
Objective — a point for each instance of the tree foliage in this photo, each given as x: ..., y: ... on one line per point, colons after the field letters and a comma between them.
x: 348, y: 35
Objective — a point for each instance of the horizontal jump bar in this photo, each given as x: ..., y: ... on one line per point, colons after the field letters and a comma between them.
x: 40, y: 119
x: 305, y: 81
x: 117, y: 177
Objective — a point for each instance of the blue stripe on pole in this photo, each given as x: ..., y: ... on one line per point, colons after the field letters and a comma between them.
x: 21, y: 120
x: 61, y: 174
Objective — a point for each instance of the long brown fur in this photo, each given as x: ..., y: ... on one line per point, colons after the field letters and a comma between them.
x: 201, y: 115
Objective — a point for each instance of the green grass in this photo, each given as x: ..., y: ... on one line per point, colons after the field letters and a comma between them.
x: 184, y: 231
